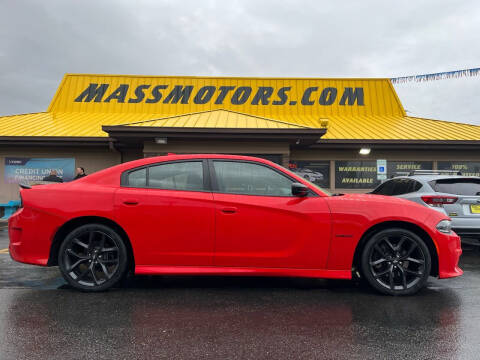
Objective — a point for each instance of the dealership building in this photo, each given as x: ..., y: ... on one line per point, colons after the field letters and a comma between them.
x: 334, y: 132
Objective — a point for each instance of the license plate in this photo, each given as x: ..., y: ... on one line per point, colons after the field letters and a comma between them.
x: 475, y: 209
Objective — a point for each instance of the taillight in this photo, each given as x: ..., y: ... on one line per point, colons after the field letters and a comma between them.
x: 439, y: 201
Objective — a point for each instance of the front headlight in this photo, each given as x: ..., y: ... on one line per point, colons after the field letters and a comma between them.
x: 444, y: 226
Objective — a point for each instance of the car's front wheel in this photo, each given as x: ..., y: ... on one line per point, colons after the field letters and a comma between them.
x: 396, y: 262
x: 92, y: 257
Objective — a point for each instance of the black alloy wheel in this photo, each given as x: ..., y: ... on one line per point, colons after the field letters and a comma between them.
x: 396, y: 262
x: 92, y: 257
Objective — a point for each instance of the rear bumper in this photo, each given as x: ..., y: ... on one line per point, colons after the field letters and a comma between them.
x: 26, y: 243
x: 468, y: 229
x: 468, y: 233
x: 471, y: 223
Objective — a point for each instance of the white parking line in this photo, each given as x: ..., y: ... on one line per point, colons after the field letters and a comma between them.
x: 4, y: 251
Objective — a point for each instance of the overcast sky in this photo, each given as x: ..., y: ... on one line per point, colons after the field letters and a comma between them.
x: 42, y: 40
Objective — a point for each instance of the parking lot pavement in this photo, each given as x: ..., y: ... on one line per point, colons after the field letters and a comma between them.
x: 252, y: 318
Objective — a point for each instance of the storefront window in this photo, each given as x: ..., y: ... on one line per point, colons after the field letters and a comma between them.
x: 317, y: 172
x: 270, y: 157
x: 467, y: 168
x: 398, y: 168
x: 356, y: 174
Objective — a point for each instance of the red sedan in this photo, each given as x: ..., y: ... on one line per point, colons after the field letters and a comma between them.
x: 226, y: 215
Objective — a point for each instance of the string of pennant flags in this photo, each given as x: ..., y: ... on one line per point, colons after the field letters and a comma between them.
x: 437, y: 76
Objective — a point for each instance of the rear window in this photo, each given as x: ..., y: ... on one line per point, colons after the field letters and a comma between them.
x: 457, y: 186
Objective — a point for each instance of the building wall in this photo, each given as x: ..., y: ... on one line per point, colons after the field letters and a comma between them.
x: 91, y: 158
x: 97, y: 158
x: 219, y: 147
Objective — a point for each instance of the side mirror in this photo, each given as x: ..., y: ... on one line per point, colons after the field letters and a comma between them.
x: 299, y: 189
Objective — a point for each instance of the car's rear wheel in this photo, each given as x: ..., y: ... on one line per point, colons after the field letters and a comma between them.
x: 396, y: 262
x: 92, y: 257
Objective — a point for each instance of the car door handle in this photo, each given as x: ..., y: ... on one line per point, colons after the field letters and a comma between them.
x: 130, y: 202
x: 229, y: 210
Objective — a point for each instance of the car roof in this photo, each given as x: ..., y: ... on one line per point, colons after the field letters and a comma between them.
x: 172, y: 156
x: 427, y: 178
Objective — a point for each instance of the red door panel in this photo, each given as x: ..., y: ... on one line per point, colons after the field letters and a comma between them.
x: 167, y: 227
x: 267, y: 231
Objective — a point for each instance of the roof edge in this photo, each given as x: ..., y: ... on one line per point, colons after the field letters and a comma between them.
x: 321, y: 120
x: 229, y: 77
x: 57, y: 93
x: 32, y: 113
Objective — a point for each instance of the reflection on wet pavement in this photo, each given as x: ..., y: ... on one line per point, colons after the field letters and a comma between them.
x: 256, y: 318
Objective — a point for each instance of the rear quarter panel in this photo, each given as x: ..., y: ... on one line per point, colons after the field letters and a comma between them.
x: 48, y: 207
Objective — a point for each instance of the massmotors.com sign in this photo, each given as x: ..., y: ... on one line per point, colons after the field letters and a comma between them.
x: 26, y: 170
x: 218, y: 95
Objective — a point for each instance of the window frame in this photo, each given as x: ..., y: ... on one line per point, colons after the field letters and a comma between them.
x: 214, y: 183
x: 206, y: 175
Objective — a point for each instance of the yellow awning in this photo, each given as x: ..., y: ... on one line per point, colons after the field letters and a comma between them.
x: 340, y: 128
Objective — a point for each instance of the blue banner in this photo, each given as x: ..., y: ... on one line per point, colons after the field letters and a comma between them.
x: 437, y: 76
x: 25, y: 170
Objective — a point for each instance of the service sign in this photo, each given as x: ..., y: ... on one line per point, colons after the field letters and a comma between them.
x: 25, y: 170
x: 400, y: 168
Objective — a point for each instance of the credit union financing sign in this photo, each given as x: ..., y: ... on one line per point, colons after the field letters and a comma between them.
x: 219, y: 95
x: 25, y: 170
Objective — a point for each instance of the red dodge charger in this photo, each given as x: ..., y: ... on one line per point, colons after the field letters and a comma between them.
x: 226, y: 215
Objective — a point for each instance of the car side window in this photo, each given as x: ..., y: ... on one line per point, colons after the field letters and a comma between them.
x: 384, y: 189
x: 250, y: 179
x: 416, y: 186
x: 177, y: 176
x: 401, y: 186
x: 137, y: 178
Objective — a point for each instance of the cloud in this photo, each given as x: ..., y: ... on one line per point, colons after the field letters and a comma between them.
x: 40, y: 41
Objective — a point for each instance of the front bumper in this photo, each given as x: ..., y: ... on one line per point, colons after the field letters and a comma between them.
x: 449, y: 250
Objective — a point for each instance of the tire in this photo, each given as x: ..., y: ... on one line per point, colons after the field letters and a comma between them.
x: 396, y: 262
x: 93, y: 258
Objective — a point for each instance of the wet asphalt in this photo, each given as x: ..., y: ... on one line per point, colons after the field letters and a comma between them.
x: 235, y: 318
